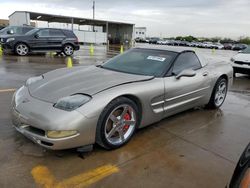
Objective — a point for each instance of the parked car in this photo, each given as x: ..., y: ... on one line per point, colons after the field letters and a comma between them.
x: 241, y: 175
x: 241, y: 62
x: 105, y: 104
x: 162, y: 42
x: 15, y: 30
x: 238, y: 47
x: 42, y: 40
x: 1, y: 27
x: 218, y: 46
x: 153, y: 40
x: 208, y: 45
x: 228, y: 46
x: 140, y: 40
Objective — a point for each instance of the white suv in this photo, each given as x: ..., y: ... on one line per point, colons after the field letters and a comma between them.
x: 241, y: 62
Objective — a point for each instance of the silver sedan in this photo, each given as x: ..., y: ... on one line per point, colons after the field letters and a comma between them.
x: 106, y: 104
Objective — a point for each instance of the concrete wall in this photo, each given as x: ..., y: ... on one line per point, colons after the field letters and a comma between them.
x: 19, y: 19
x: 91, y: 37
x: 140, y: 32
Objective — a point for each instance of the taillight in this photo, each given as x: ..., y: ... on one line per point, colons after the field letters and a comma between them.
x: 77, y: 40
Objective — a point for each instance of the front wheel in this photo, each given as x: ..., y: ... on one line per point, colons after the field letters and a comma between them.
x: 68, y: 50
x: 219, y: 94
x: 117, y: 123
x: 22, y: 49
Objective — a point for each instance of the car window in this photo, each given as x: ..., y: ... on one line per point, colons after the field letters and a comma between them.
x: 43, y: 33
x: 56, y: 33
x: 69, y: 33
x: 185, y: 61
x: 26, y: 29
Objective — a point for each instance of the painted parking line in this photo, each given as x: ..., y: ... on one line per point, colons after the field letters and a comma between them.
x: 46, y: 179
x: 7, y: 90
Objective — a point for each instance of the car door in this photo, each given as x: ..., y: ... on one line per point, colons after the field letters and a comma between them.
x: 187, y: 91
x: 40, y: 40
x: 56, y: 39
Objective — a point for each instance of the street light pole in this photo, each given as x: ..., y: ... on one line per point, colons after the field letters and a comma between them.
x: 93, y: 14
x: 93, y: 10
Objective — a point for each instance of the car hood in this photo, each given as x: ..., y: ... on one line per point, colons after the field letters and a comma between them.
x: 86, y: 80
x: 242, y: 57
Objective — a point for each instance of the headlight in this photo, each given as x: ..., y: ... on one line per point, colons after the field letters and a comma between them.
x: 72, y: 102
x: 33, y: 80
x: 10, y: 39
x: 60, y: 134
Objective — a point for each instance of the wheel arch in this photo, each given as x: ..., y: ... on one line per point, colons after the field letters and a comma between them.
x: 223, y: 76
x: 136, y: 100
x: 68, y: 43
x: 21, y: 42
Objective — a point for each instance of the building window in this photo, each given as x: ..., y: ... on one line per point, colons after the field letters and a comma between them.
x: 136, y: 32
x: 142, y: 33
x: 139, y: 32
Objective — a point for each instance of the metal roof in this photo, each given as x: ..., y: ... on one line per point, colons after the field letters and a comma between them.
x: 68, y: 19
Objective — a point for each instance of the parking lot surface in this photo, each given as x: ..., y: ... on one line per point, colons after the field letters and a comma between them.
x: 196, y: 148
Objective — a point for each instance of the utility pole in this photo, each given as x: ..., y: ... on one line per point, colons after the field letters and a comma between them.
x: 93, y: 14
x: 93, y: 10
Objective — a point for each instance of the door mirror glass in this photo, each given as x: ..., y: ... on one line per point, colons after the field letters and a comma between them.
x: 186, y: 73
x: 10, y: 32
x: 37, y: 35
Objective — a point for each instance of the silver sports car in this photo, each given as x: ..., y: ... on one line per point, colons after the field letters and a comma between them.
x: 106, y: 104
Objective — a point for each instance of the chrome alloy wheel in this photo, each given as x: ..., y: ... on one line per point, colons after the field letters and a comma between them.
x: 221, y: 93
x: 22, y: 49
x: 120, y: 124
x: 68, y: 50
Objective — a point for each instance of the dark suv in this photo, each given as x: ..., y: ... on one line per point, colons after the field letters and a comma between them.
x: 42, y: 40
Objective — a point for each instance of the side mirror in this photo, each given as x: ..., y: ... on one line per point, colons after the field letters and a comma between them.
x: 10, y: 32
x: 186, y: 73
x: 37, y: 36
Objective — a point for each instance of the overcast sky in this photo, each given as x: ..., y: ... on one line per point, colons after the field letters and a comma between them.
x: 209, y: 18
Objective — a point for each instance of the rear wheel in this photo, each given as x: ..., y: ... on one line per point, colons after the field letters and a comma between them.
x: 219, y: 94
x: 21, y: 49
x: 68, y: 50
x: 117, y: 123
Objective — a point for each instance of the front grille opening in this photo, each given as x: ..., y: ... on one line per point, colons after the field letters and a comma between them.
x: 35, y: 130
x: 242, y: 63
x: 46, y: 143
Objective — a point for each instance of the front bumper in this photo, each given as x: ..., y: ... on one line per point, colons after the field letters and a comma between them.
x: 7, y: 47
x: 33, y: 118
x: 241, y: 68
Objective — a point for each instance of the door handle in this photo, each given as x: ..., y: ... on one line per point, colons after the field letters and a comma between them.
x: 205, y: 74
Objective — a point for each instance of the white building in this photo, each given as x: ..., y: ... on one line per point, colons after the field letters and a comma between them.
x: 140, y: 32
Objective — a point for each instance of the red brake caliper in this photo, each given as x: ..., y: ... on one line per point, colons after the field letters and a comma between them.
x: 126, y: 117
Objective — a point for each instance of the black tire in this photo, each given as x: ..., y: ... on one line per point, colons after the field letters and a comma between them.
x: 100, y: 132
x: 21, y: 49
x: 68, y: 50
x: 212, y: 104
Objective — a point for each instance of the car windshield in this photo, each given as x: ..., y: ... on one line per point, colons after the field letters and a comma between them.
x: 32, y: 31
x: 246, y: 51
x: 142, y: 62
